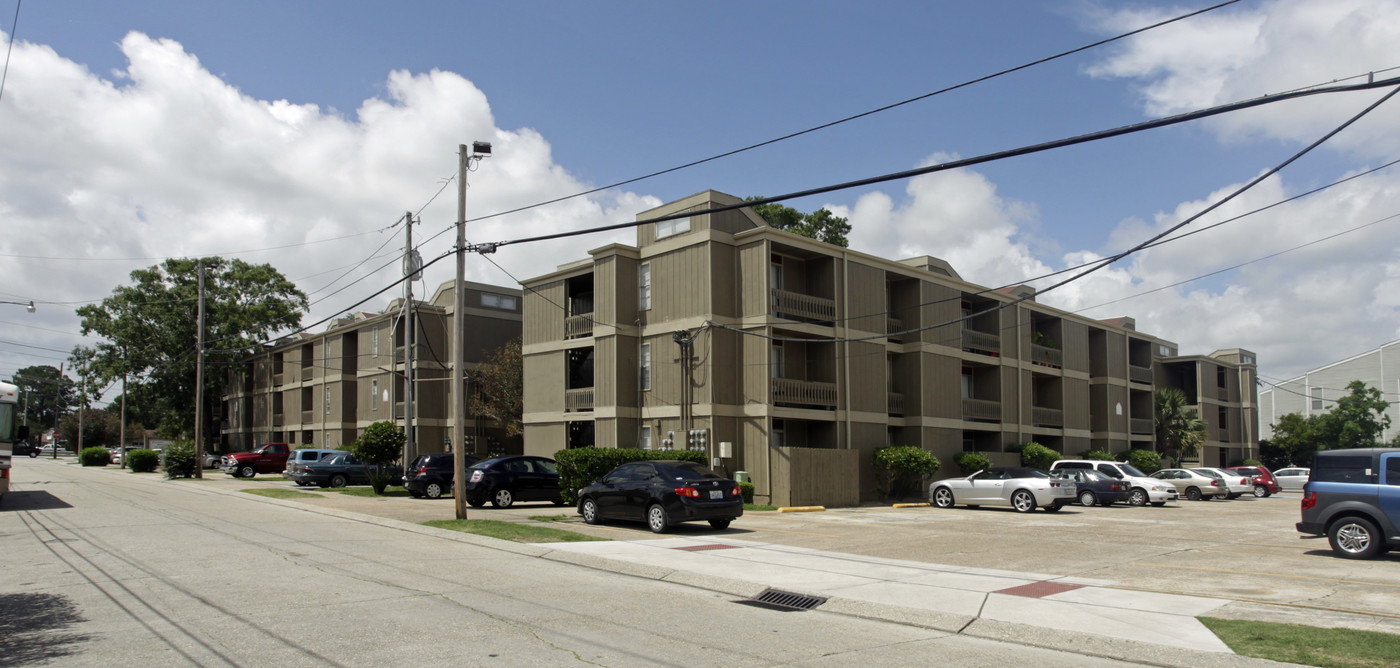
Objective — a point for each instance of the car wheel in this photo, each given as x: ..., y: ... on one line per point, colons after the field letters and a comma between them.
x: 433, y: 490
x: 1354, y: 538
x: 1193, y: 494
x: 943, y: 497
x: 247, y: 471
x: 1261, y: 492
x: 33, y: 454
x: 1086, y: 498
x: 589, y: 510
x: 502, y: 498
x: 476, y: 503
x: 1231, y: 497
x: 719, y: 524
x: 1138, y: 497
x: 337, y: 480
x: 1022, y: 501
x: 656, y: 518
x: 303, y: 483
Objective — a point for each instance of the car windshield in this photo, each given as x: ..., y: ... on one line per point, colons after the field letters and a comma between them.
x: 687, y: 471
x: 1128, y: 469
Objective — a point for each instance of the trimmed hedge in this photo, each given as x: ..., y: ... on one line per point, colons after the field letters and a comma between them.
x: 579, y: 467
x: 900, y: 469
x: 746, y: 489
x: 1098, y: 456
x: 1147, y: 461
x: 1037, y: 456
x: 971, y: 462
x: 95, y: 456
x: 178, y: 460
x: 143, y: 460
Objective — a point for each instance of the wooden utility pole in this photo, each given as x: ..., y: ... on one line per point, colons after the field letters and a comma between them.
x: 459, y: 343
x: 411, y: 266
x: 199, y: 383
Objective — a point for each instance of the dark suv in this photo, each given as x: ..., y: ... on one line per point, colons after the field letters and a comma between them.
x: 430, y: 475
x: 1353, y: 498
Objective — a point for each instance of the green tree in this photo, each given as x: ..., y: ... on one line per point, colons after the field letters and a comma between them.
x: 379, y: 447
x: 1180, y: 432
x: 899, y: 469
x: 1357, y: 421
x: 1295, y: 439
x: 149, y: 330
x: 99, y: 428
x: 822, y: 224
x: 45, y: 395
x: 499, y: 388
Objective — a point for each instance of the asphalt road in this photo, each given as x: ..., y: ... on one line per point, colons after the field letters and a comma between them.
x: 109, y: 568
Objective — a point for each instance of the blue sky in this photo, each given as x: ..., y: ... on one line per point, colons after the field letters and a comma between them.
x: 158, y: 129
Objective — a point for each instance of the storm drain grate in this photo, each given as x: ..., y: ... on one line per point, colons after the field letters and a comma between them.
x: 777, y: 599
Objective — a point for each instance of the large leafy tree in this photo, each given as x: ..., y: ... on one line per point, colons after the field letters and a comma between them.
x: 822, y: 224
x: 45, y: 395
x: 1180, y: 431
x: 380, y: 446
x: 500, y: 388
x: 1356, y: 421
x: 149, y: 330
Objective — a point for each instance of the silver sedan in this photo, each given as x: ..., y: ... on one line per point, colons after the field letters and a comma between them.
x: 1024, y: 489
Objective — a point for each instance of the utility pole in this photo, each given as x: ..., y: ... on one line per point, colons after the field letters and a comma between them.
x: 411, y: 269
x: 82, y: 404
x: 459, y: 329
x: 58, y: 408
x: 121, y: 442
x: 199, y: 383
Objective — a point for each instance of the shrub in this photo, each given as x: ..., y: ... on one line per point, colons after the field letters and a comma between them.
x: 1252, y: 462
x: 1147, y: 461
x: 178, y: 460
x: 1038, y: 456
x: 95, y: 456
x: 1098, y: 456
x: 746, y: 489
x: 901, y: 468
x: 143, y: 460
x: 579, y: 467
x: 1017, y: 447
x: 380, y: 446
x: 971, y: 462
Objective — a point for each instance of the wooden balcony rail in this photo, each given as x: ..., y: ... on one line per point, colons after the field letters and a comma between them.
x: 981, y: 409
x: 578, y: 326
x: 306, y: 417
x: 796, y: 304
x: 1046, y: 355
x: 893, y: 327
x: 803, y: 392
x: 1050, y: 417
x: 981, y: 342
x: 1139, y: 374
x: 1140, y: 425
x: 578, y: 399
x: 896, y: 403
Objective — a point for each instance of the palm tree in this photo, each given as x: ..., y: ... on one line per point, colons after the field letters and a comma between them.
x: 1180, y: 432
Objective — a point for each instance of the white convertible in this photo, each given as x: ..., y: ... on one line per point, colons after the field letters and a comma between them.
x: 1024, y: 489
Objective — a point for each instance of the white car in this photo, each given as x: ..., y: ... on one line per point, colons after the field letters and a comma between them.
x: 1292, y: 479
x: 1145, y: 490
x: 1236, y: 485
x: 1024, y: 489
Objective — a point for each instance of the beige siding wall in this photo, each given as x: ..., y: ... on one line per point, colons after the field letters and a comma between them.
x: 1076, y: 403
x: 753, y: 279
x: 757, y: 353
x: 867, y: 385
x: 941, y: 387
x: 544, y: 380
x: 1075, y: 346
x: 544, y: 320
x: 866, y: 297
x: 676, y: 292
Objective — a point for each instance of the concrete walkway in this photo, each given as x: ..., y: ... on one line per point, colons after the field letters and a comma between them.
x: 944, y: 597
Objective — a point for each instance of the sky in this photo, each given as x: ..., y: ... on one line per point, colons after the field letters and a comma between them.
x: 297, y: 134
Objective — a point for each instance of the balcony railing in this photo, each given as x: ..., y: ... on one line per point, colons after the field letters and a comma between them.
x: 1140, y: 425
x: 896, y: 403
x: 1046, y: 355
x: 1140, y: 374
x: 277, y: 419
x: 1049, y: 417
x: 981, y: 409
x: 578, y: 399
x: 893, y: 327
x: 278, y: 379
x: 981, y: 342
x: 578, y: 326
x: 306, y: 417
x: 797, y: 305
x: 803, y: 392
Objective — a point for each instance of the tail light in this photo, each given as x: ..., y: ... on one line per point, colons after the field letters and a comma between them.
x: 735, y: 491
x: 688, y: 491
x: 1309, y: 500
x: 1215, y: 483
x: 422, y: 470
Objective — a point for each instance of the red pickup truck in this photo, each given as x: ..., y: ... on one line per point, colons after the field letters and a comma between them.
x: 270, y: 458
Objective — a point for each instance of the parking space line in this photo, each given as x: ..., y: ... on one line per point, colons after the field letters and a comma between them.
x: 1275, y: 575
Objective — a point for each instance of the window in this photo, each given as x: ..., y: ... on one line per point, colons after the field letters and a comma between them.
x: 328, y: 400
x: 777, y: 361
x: 1392, y: 470
x: 775, y: 272
x: 667, y: 228
x: 646, y: 438
x: 1164, y: 351
x: 506, y: 302
x: 1224, y: 418
x: 1317, y: 398
x: 374, y: 342
x: 373, y: 394
x: 966, y: 383
x: 646, y: 366
x: 644, y: 287
x: 1220, y: 376
x: 779, y: 438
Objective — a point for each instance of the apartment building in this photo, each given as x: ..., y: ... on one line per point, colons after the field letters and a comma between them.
x: 323, y: 389
x: 793, y: 360
x: 1317, y: 390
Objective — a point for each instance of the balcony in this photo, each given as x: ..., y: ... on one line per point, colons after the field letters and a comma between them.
x: 278, y: 379
x: 896, y: 403
x: 306, y: 417
x: 893, y: 326
x: 795, y: 305
x: 981, y: 409
x: 579, y: 399
x: 981, y: 342
x: 1140, y: 374
x: 804, y: 392
x: 1140, y: 425
x: 1046, y: 356
x: 578, y: 326
x: 1047, y: 417
x: 277, y: 419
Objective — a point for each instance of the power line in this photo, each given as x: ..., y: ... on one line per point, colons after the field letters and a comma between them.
x: 14, y: 27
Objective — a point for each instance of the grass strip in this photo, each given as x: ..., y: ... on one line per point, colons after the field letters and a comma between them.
x: 278, y: 493
x: 1308, y: 645
x: 552, y: 518
x: 758, y: 507
x: 520, y: 533
x: 367, y: 491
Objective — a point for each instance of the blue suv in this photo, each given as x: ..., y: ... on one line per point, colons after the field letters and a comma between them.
x: 1353, y: 498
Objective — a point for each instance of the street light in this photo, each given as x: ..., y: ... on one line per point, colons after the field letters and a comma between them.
x: 28, y: 306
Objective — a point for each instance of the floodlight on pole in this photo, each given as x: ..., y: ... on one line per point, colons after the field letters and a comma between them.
x: 29, y: 305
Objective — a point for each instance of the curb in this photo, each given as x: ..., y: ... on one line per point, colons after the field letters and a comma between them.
x: 911, y: 505
x: 801, y: 509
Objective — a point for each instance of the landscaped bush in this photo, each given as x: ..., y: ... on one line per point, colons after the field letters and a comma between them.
x: 95, y: 456
x: 143, y: 460
x: 579, y: 467
x: 1037, y: 456
x: 1098, y: 456
x: 971, y: 462
x: 746, y: 489
x: 899, y: 469
x: 178, y: 460
x: 1147, y: 461
x: 1252, y: 462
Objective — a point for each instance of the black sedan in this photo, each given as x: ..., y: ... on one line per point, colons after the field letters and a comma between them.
x: 505, y: 480
x: 662, y: 493
x: 337, y: 471
x: 1093, y: 487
